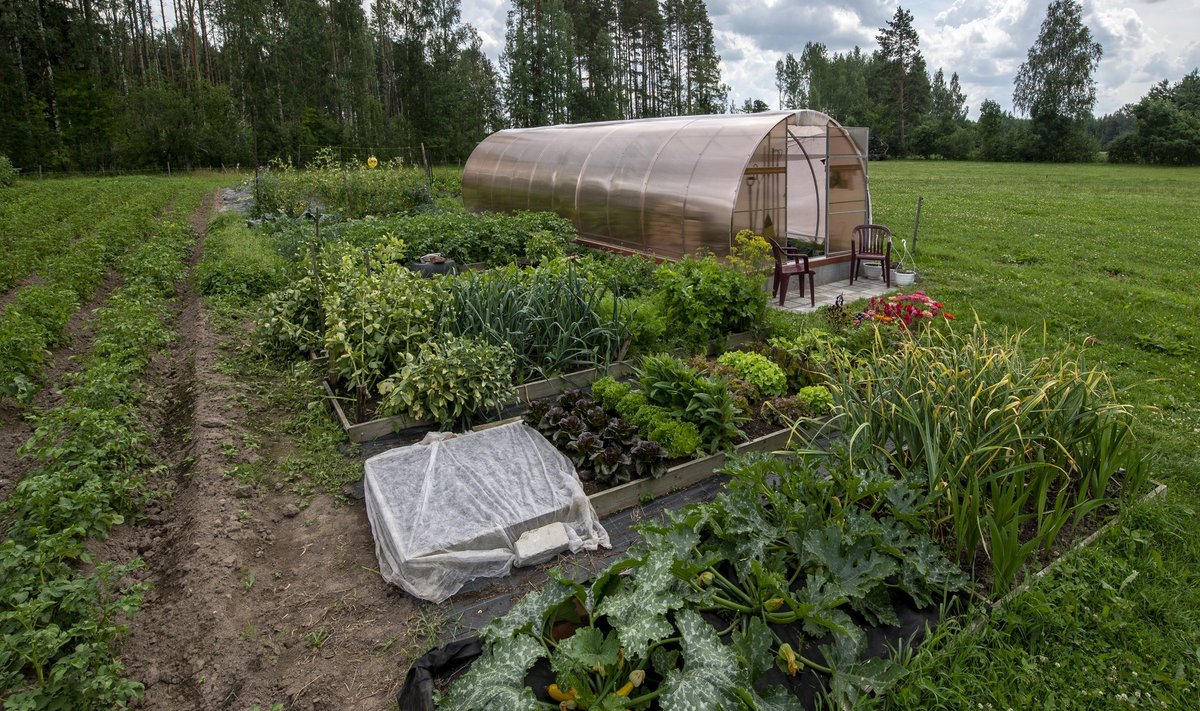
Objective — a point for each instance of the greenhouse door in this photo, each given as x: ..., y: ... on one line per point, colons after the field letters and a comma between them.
x: 847, y: 198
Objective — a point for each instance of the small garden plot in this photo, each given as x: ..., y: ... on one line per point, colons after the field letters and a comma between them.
x: 959, y: 462
x: 738, y: 603
x: 674, y: 411
x: 453, y: 350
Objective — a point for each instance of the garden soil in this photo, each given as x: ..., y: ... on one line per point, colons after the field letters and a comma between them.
x: 254, y: 601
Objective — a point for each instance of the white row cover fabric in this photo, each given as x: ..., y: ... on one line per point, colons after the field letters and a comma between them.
x: 450, y: 509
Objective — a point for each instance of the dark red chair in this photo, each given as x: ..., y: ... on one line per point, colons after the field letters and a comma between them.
x: 784, y: 271
x: 871, y: 243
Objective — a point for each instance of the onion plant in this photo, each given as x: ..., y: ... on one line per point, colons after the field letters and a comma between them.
x: 1017, y: 440
x: 553, y: 322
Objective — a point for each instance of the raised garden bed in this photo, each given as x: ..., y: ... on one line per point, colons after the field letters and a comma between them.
x: 383, y: 426
x: 679, y: 476
x: 438, y: 669
x: 376, y: 428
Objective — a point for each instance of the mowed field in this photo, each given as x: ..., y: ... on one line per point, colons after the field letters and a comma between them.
x: 1106, y: 258
x: 259, y: 572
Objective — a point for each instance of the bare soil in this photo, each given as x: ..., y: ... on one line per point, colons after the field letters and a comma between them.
x: 257, y: 597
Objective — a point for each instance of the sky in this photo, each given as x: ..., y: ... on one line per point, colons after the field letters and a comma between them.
x: 985, y: 41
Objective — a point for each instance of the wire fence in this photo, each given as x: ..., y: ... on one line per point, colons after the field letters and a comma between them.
x: 41, y: 173
x: 409, y: 155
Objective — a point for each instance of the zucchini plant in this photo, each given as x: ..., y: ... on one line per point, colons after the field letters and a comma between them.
x: 715, y: 605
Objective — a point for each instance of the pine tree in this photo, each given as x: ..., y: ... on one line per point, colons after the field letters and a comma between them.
x: 901, y: 83
x: 539, y: 63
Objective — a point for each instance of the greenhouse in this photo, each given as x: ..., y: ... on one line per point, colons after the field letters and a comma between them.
x: 671, y: 186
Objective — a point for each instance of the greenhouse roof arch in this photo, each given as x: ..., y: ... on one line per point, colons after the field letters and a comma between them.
x: 672, y: 186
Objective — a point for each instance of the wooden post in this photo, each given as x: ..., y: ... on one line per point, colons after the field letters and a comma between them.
x: 428, y: 168
x: 917, y: 224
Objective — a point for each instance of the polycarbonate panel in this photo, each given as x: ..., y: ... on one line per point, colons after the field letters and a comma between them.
x: 847, y: 183
x: 669, y: 186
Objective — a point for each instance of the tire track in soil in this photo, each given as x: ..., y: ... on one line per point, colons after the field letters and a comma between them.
x: 254, y: 601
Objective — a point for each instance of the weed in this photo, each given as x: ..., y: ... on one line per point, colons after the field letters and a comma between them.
x: 317, y: 637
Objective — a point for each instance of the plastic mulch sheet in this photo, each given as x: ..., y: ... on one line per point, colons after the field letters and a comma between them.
x: 450, y: 509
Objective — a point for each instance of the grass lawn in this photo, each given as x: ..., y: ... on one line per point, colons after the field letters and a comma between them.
x: 1107, y: 257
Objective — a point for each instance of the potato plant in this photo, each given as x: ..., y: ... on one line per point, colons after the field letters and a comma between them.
x: 61, y: 621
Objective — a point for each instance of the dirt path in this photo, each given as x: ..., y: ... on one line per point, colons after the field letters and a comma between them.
x: 255, y: 601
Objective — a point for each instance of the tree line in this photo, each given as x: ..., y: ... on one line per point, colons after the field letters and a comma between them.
x: 148, y: 83
x: 911, y: 113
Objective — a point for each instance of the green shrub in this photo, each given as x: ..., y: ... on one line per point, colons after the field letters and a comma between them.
x: 467, y: 238
x: 291, y: 319
x: 8, y: 175
x: 647, y: 327
x: 349, y: 188
x: 49, y: 306
x: 756, y: 369
x: 626, y: 275
x: 238, y: 262
x: 608, y: 392
x: 545, y: 246
x: 450, y: 380
x: 706, y: 300
x: 22, y: 352
x: 816, y: 399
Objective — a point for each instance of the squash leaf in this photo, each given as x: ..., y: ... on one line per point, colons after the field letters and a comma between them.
x: 584, y: 650
x: 529, y: 613
x: 711, y: 676
x: 754, y: 647
x: 853, y: 570
x: 926, y: 572
x: 497, y: 679
x: 638, y: 608
x: 854, y: 677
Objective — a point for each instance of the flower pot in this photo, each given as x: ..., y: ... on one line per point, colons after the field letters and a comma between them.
x: 903, y: 278
x: 870, y: 270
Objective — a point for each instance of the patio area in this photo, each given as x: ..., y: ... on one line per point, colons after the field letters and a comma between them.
x: 863, y: 288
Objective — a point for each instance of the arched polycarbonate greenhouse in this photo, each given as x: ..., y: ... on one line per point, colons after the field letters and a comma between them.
x: 671, y: 186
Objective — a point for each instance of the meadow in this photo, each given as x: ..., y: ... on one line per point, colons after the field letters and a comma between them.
x: 1104, y: 258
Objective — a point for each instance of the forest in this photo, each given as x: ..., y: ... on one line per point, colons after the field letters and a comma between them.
x: 156, y: 84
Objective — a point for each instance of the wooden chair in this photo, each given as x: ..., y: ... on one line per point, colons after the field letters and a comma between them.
x: 784, y: 271
x: 871, y: 243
